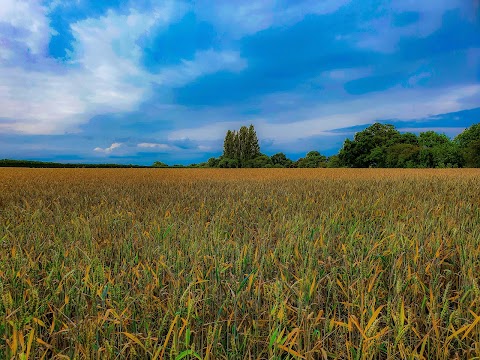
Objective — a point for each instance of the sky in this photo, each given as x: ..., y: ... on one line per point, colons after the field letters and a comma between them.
x: 161, y: 80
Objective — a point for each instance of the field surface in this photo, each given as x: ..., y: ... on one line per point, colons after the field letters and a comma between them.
x: 239, y: 264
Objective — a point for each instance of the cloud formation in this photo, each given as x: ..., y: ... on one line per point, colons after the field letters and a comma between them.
x: 167, y: 78
x: 109, y: 149
x: 102, y: 75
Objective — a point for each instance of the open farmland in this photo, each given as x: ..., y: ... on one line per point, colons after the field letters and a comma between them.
x: 241, y: 264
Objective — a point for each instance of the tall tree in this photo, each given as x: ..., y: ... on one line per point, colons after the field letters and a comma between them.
x: 252, y: 143
x: 241, y: 146
x: 229, y: 145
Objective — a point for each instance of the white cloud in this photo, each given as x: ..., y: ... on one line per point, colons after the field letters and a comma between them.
x: 415, y: 79
x: 173, y: 147
x: 103, y: 75
x: 28, y: 24
x: 239, y: 18
x: 399, y: 104
x: 5, y: 54
x: 211, y: 132
x: 345, y: 74
x: 425, y: 6
x: 155, y: 146
x: 39, y: 102
x: 296, y: 123
x: 205, y: 62
x: 382, y: 36
x: 109, y: 149
x: 337, y: 74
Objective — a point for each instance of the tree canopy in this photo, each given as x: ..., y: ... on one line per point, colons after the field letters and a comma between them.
x: 240, y: 147
x: 382, y: 145
x: 469, y: 144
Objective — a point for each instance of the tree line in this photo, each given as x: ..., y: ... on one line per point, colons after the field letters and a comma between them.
x: 48, y: 164
x: 378, y: 146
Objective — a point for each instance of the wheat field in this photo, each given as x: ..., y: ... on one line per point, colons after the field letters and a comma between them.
x: 239, y: 264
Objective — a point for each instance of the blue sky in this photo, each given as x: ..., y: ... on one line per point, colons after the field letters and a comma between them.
x: 140, y: 81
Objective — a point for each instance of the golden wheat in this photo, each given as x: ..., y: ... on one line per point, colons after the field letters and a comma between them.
x: 242, y: 264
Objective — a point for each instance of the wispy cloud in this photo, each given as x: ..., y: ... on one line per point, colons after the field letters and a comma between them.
x: 156, y: 146
x: 109, y: 149
x: 400, y: 104
x: 104, y: 74
x: 244, y: 17
x: 17, y: 33
x: 204, y: 63
x: 176, y: 146
x: 383, y: 33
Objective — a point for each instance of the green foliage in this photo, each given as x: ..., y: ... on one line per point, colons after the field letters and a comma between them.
x: 262, y: 161
x: 225, y: 162
x: 438, y: 151
x: 281, y: 160
x: 368, y: 149
x: 312, y: 160
x: 471, y: 134
x: 402, y: 156
x: 471, y: 154
x: 334, y: 162
x: 159, y: 164
x: 43, y: 164
x: 239, y: 148
x: 447, y: 155
x: 229, y: 145
x: 430, y: 139
x: 383, y: 146
x: 469, y: 144
x: 253, y: 147
x: 408, y: 138
x: 213, y: 162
